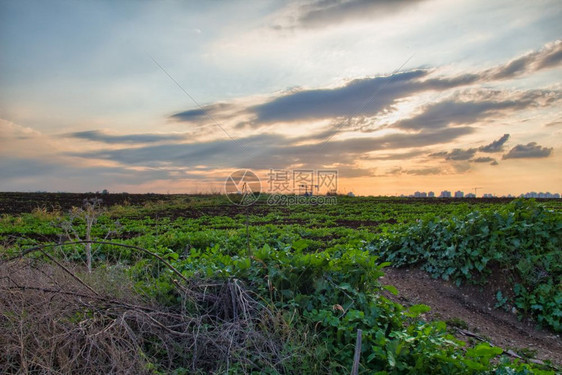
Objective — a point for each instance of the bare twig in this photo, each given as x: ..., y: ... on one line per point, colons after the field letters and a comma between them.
x: 46, y: 246
x: 69, y: 272
x: 50, y: 325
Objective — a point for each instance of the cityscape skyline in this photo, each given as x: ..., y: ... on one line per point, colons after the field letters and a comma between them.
x: 461, y: 194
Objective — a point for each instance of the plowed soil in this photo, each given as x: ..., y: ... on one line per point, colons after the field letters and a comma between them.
x: 473, y: 306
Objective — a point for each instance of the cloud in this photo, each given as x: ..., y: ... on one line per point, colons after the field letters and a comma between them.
x: 484, y: 159
x: 530, y: 150
x: 414, y: 171
x: 10, y: 132
x: 461, y: 167
x: 495, y: 146
x: 365, y: 96
x: 395, y: 156
x: 372, y: 95
x: 547, y: 57
x: 218, y: 153
x: 266, y: 151
x: 344, y: 170
x: 354, y: 172
x: 205, y: 113
x: 100, y: 136
x: 456, y: 154
x: 554, y: 123
x: 459, y: 154
x: 423, y: 171
x: 328, y: 12
x: 14, y: 169
x: 192, y: 114
x: 472, y: 106
x: 452, y: 111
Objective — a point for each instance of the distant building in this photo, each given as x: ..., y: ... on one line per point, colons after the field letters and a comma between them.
x: 459, y: 194
x: 488, y: 195
x: 419, y: 194
x: 445, y: 194
x: 534, y: 194
x: 470, y: 195
x: 431, y: 194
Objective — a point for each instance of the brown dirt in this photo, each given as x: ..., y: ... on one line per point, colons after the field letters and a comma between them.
x: 18, y: 202
x: 473, y: 305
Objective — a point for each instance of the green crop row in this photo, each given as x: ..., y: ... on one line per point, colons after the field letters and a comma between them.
x: 317, y: 269
x: 329, y: 295
x: 521, y: 240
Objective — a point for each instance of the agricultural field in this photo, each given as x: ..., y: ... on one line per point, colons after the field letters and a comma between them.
x: 193, y: 284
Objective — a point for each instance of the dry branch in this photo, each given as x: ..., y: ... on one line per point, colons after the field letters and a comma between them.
x: 54, y: 322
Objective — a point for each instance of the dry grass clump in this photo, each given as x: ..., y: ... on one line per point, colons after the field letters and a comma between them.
x: 56, y: 318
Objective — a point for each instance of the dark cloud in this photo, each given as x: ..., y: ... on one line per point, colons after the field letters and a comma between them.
x: 549, y: 56
x: 495, y: 146
x: 439, y: 154
x: 388, y: 142
x: 445, y: 83
x: 448, y: 112
x: 459, y: 154
x: 99, y: 136
x: 215, y: 154
x: 359, y: 97
x: 192, y: 114
x: 423, y: 171
x: 327, y: 12
x: 530, y: 150
x: 484, y: 159
x: 369, y: 96
x: 270, y: 151
x: 456, y: 154
x: 206, y: 113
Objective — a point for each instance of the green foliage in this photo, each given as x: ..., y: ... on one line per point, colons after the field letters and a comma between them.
x: 521, y: 239
x: 329, y: 295
x: 317, y: 268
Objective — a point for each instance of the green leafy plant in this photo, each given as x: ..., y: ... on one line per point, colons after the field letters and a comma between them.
x: 521, y: 239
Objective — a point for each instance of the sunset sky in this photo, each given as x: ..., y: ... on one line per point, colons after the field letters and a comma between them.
x: 172, y: 96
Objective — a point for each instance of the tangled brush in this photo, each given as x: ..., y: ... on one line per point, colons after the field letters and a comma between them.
x: 57, y: 318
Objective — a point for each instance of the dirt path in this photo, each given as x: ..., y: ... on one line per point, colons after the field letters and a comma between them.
x: 473, y: 306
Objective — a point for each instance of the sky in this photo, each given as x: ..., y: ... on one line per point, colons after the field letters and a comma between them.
x: 174, y: 96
